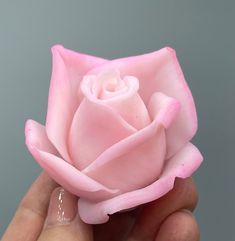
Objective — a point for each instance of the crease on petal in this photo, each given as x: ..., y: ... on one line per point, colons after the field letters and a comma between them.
x: 68, y: 70
x: 62, y: 172
x: 182, y: 165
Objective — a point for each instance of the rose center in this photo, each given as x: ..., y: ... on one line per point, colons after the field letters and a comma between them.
x: 110, y: 89
x: 109, y: 84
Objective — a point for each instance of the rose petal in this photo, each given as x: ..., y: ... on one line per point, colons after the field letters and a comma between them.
x: 132, y: 110
x: 35, y: 135
x: 95, y: 128
x: 109, y: 84
x: 136, y: 169
x: 160, y: 72
x: 138, y: 159
x: 62, y: 172
x: 68, y: 70
x: 163, y: 109
x: 182, y: 165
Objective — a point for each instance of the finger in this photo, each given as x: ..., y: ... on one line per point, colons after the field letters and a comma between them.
x: 182, y: 196
x: 179, y: 226
x: 62, y: 222
x: 29, y: 218
x: 117, y: 228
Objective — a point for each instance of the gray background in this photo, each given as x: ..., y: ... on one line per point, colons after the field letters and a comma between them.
x: 201, y: 31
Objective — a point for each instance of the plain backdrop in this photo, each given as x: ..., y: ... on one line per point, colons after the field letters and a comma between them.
x: 203, y: 34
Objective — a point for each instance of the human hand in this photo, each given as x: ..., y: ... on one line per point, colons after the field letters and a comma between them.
x: 168, y: 218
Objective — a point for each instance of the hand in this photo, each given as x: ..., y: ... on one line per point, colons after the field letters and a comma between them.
x: 168, y: 218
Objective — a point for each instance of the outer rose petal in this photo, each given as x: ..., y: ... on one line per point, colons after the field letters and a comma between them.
x: 68, y: 70
x: 160, y: 72
x: 62, y: 172
x: 137, y: 160
x: 182, y: 165
x: 35, y: 135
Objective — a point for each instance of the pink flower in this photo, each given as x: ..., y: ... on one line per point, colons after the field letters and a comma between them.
x: 118, y: 131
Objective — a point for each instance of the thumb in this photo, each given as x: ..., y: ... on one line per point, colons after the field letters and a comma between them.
x: 62, y: 222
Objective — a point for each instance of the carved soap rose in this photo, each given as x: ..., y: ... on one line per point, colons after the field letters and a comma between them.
x: 117, y: 132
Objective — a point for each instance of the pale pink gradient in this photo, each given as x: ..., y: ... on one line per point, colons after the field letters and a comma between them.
x: 117, y: 132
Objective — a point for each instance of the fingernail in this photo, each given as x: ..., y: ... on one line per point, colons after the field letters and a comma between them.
x: 187, y: 211
x: 62, y: 208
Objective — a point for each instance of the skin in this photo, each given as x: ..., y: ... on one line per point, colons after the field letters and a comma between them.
x: 168, y: 218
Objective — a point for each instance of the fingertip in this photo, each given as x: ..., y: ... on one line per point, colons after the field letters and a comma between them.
x: 179, y: 226
x: 63, y: 222
x: 62, y: 208
x: 74, y: 231
x: 186, y: 189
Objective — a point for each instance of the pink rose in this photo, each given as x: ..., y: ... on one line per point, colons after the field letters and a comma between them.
x: 118, y: 131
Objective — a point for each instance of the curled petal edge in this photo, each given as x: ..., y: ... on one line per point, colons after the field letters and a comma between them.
x: 59, y: 170
x: 182, y: 165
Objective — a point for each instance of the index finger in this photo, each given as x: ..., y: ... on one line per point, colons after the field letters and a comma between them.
x: 28, y: 220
